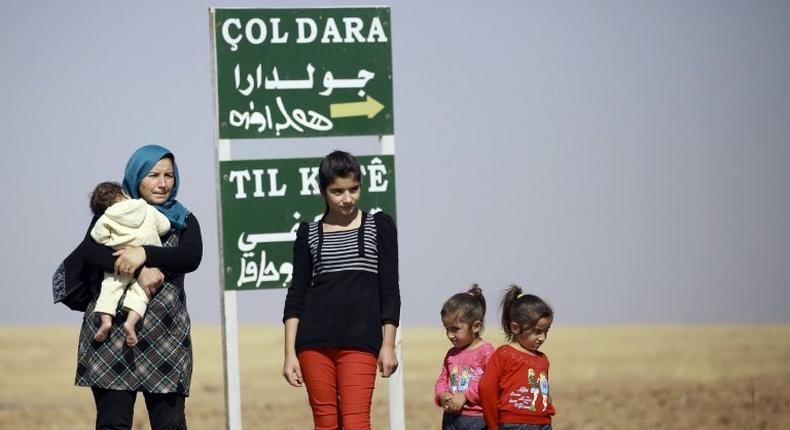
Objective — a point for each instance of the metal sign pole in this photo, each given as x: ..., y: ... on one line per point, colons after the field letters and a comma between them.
x: 230, y: 338
x: 230, y: 332
x: 396, y: 395
x: 396, y: 406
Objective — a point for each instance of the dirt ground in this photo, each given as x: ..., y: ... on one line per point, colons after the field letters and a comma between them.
x: 668, y: 377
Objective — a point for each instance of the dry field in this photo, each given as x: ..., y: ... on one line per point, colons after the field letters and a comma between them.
x: 669, y: 377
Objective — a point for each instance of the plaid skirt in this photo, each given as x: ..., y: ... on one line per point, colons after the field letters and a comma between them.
x: 161, y: 362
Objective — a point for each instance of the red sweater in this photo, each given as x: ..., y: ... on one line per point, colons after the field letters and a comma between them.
x: 515, y: 388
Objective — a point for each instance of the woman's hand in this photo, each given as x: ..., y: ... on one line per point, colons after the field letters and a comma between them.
x: 128, y: 260
x: 292, y: 371
x: 150, y: 280
x: 388, y: 361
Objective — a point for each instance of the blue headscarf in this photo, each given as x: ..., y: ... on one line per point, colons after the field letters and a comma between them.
x: 138, y: 166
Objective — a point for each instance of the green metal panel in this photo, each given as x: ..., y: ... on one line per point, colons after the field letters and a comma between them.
x: 263, y: 202
x: 303, y: 72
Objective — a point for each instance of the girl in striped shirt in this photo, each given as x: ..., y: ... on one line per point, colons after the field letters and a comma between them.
x: 343, y: 306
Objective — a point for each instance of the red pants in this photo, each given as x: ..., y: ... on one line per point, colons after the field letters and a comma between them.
x: 339, y: 385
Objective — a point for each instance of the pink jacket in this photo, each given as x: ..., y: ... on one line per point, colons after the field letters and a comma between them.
x: 461, y: 371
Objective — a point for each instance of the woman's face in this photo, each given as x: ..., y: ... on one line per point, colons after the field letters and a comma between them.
x: 157, y: 186
x: 342, y: 195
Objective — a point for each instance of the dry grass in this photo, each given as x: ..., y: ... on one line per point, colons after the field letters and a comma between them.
x: 702, y: 377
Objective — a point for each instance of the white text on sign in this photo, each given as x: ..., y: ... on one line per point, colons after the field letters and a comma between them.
x: 256, y: 31
x: 256, y: 180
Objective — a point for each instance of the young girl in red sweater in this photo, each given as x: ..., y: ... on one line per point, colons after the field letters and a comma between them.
x: 514, y: 389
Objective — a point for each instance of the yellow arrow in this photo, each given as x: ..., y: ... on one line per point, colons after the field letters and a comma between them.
x: 370, y: 107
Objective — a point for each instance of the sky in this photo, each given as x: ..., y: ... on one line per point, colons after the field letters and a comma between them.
x: 626, y: 161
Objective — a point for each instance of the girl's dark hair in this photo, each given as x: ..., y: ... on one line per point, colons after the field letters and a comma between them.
x: 338, y: 164
x: 524, y: 309
x: 105, y: 195
x: 469, y: 306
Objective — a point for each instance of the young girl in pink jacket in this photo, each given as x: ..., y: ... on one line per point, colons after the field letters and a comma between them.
x: 463, y: 316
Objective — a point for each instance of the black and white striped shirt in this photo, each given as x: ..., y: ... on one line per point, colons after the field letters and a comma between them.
x: 345, y: 284
x: 340, y: 250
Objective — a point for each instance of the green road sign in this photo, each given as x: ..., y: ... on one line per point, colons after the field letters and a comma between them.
x: 303, y: 72
x: 263, y: 202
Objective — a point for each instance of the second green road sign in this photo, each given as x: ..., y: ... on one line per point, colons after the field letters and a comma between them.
x: 263, y: 202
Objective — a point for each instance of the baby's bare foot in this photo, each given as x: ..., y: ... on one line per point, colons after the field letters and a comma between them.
x: 131, y: 334
x: 103, y: 332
